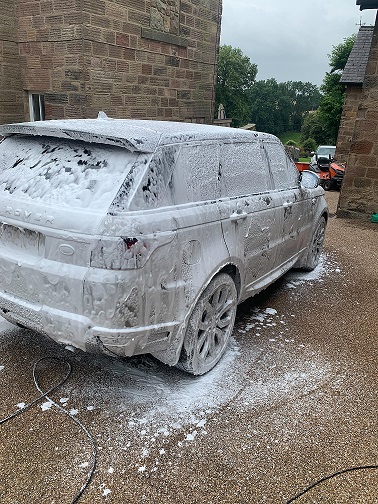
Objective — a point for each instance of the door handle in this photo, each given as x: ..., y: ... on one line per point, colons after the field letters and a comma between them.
x: 236, y: 217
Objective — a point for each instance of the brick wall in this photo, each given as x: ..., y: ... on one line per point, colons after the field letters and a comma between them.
x: 358, y: 142
x: 131, y: 58
x: 11, y: 93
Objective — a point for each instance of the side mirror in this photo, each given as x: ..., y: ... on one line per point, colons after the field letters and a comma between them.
x: 309, y: 179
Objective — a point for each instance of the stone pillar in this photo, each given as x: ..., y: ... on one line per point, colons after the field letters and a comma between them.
x: 359, y: 194
x: 353, y: 97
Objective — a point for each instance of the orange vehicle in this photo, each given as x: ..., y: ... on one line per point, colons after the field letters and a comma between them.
x: 331, y: 176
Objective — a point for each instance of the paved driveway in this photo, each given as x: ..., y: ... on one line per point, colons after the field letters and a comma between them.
x: 294, y: 400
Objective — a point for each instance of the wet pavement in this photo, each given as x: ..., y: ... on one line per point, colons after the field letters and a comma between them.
x: 293, y: 401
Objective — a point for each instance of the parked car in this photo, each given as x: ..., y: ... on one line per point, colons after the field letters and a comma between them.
x: 323, y: 156
x: 130, y: 237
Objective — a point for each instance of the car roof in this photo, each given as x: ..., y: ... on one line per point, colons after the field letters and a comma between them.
x: 132, y: 134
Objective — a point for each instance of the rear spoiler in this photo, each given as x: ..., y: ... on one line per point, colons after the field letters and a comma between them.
x: 60, y: 129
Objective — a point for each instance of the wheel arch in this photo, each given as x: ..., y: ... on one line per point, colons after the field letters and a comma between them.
x: 233, y: 271
x: 191, y: 358
x: 171, y: 355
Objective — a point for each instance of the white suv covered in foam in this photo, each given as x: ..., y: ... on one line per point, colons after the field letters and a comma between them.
x: 131, y: 237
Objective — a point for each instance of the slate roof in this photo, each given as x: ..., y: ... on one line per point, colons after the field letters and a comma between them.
x: 354, y: 71
x: 367, y: 4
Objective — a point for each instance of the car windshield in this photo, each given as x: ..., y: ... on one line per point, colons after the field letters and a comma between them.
x: 326, y: 151
x: 63, y: 172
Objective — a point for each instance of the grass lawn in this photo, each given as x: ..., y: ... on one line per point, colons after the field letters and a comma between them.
x: 293, y: 135
x: 296, y: 137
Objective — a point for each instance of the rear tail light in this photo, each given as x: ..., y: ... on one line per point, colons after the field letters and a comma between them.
x: 119, y: 253
x: 125, y: 253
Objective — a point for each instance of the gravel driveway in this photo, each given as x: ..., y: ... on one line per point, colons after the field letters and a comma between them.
x: 294, y: 400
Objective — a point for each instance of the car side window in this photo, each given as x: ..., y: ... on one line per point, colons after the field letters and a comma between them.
x: 283, y: 170
x: 196, y: 174
x: 153, y: 187
x: 242, y: 170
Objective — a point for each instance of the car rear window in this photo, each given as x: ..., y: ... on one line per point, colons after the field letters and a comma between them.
x: 63, y: 172
x: 326, y: 151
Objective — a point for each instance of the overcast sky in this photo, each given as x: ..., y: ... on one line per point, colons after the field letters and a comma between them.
x: 290, y: 39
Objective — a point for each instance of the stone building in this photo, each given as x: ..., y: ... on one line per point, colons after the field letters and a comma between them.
x: 147, y: 59
x: 357, y: 143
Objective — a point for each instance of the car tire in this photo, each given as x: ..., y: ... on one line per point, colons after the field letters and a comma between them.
x: 315, y: 248
x: 327, y: 185
x: 209, y: 326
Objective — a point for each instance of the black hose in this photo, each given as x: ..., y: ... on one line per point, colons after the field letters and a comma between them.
x: 326, y: 478
x: 60, y: 408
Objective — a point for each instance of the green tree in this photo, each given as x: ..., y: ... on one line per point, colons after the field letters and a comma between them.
x: 304, y: 97
x: 274, y: 107
x: 309, y: 146
x: 313, y: 128
x: 236, y: 75
x: 270, y: 106
x: 340, y: 53
x: 279, y: 107
x: 331, y: 104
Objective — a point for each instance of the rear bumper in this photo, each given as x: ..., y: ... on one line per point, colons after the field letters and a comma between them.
x: 77, y: 330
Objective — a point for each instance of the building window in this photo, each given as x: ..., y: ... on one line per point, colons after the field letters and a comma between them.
x: 36, y: 107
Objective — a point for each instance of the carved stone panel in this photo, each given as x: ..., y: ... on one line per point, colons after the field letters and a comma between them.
x: 165, y: 16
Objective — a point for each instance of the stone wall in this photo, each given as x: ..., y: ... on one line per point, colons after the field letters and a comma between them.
x: 349, y: 115
x: 359, y: 130
x: 11, y: 93
x: 50, y: 34
x: 150, y: 59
